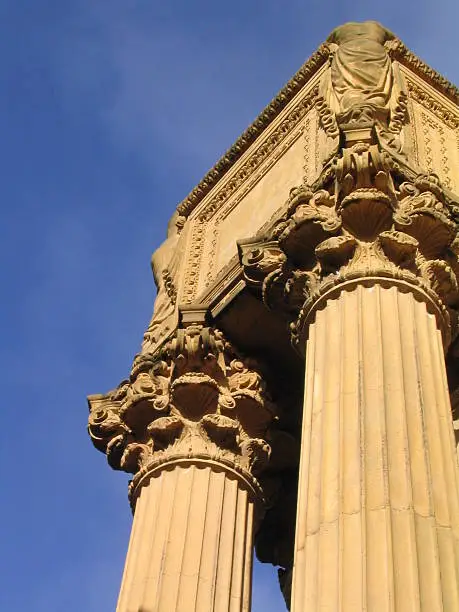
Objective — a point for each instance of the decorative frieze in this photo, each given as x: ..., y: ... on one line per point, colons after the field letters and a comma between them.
x: 237, y: 187
x: 295, y: 84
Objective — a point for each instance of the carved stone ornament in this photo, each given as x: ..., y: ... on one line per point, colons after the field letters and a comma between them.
x: 361, y: 88
x: 396, y: 50
x: 195, y: 400
x: 363, y: 222
x: 361, y: 72
x: 165, y: 264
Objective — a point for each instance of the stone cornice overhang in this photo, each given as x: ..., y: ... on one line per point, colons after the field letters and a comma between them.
x: 397, y: 51
x: 400, y: 53
x: 286, y: 94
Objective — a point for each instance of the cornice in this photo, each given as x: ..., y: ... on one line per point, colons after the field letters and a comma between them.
x: 400, y: 53
x: 286, y: 94
x: 418, y: 94
x: 397, y: 51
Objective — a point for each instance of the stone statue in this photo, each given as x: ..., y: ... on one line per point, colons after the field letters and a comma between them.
x: 165, y: 264
x: 359, y: 85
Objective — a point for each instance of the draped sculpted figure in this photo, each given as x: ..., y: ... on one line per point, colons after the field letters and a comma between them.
x: 165, y: 264
x: 360, y: 81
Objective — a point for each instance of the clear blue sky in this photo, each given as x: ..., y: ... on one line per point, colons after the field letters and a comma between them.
x: 110, y: 112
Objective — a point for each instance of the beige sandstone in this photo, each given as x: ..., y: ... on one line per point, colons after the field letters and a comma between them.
x: 192, y: 540
x: 378, y: 485
x: 320, y: 252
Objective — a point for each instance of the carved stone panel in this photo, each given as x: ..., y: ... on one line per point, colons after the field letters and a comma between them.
x: 436, y: 131
x: 256, y: 203
x: 252, y: 191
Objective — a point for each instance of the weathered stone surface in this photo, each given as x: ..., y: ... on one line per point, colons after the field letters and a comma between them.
x: 378, y: 512
x: 323, y: 251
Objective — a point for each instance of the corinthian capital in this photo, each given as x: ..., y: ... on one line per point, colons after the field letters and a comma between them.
x: 197, y: 399
x: 363, y: 222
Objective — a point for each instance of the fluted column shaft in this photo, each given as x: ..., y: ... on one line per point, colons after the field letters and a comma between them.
x: 378, y: 510
x: 192, y: 425
x: 191, y: 543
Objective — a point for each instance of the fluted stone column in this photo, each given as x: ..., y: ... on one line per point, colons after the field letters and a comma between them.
x: 378, y: 501
x: 378, y: 509
x: 366, y: 270
x: 191, y: 542
x: 191, y: 425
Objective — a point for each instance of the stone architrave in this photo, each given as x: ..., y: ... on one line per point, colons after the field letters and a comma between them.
x: 340, y: 280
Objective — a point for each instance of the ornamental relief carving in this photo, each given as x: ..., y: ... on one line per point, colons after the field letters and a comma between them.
x: 304, y: 77
x: 363, y: 86
x: 439, y: 147
x: 397, y: 52
x: 446, y: 113
x: 205, y: 232
x: 436, y: 126
x: 196, y: 398
x: 400, y: 53
x: 385, y: 101
x: 212, y: 244
x: 366, y: 224
x: 311, y: 145
x: 370, y: 215
x: 235, y: 190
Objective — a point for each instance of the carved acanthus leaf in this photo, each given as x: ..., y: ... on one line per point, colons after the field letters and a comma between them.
x: 334, y: 252
x: 135, y: 456
x: 422, y: 214
x: 362, y: 221
x: 198, y: 397
x: 259, y: 260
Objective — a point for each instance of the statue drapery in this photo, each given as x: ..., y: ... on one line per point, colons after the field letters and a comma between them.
x: 360, y: 81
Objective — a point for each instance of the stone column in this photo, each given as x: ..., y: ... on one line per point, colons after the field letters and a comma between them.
x: 191, y: 542
x: 191, y: 425
x: 365, y: 268
x: 378, y: 511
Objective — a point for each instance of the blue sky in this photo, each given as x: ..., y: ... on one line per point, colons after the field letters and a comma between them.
x: 110, y: 112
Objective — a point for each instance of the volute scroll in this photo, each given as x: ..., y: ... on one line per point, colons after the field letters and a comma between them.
x: 196, y: 400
